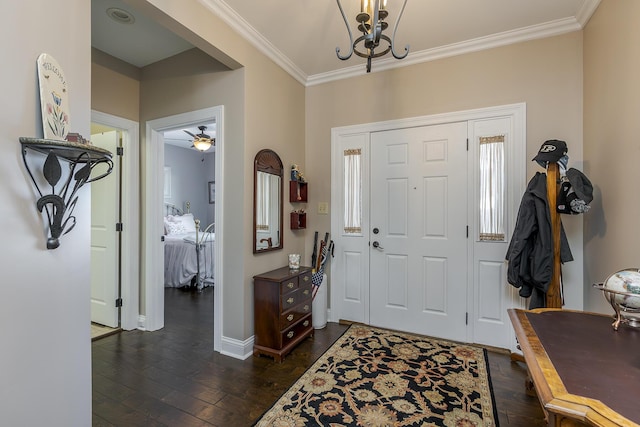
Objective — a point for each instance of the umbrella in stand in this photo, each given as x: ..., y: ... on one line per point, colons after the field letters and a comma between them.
x: 316, y: 278
x: 314, y: 254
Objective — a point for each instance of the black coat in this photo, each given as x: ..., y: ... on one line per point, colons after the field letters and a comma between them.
x: 530, y: 252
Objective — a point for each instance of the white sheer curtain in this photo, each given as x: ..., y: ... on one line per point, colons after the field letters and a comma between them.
x: 492, y: 188
x: 352, y: 191
x: 262, y: 202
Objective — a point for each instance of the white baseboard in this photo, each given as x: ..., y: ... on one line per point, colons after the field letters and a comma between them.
x: 237, y: 349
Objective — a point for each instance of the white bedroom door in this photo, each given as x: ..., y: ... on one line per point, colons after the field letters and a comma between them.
x: 105, y: 201
x: 418, y: 230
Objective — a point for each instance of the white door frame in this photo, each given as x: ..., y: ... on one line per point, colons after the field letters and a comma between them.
x: 130, y: 199
x: 516, y: 173
x: 153, y: 278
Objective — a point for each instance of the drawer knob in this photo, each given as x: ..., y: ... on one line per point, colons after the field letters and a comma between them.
x: 290, y: 285
x: 306, y: 292
x: 290, y: 334
x: 306, y: 323
x: 290, y: 317
x: 290, y: 300
x: 306, y: 308
x: 305, y: 278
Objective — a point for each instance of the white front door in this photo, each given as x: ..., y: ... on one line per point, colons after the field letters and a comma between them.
x: 418, y: 230
x: 104, y: 238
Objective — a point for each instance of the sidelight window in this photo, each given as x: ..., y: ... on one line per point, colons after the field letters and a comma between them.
x: 353, y: 191
x: 492, y: 188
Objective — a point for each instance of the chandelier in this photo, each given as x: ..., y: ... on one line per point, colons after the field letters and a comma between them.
x: 371, y: 24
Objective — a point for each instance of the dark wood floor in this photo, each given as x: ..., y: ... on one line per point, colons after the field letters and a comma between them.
x: 172, y: 377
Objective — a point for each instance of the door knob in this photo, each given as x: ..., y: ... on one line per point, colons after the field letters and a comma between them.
x: 377, y: 245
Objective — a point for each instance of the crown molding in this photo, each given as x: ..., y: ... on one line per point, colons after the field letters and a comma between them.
x: 548, y: 29
x: 586, y: 12
x: 257, y: 40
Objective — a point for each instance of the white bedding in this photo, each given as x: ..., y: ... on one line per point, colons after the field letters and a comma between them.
x: 180, y: 261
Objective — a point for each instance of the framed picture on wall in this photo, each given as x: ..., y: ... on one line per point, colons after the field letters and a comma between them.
x: 212, y: 192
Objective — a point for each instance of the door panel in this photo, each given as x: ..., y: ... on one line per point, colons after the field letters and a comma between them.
x: 418, y: 278
x: 489, y: 290
x: 104, y: 248
x: 350, y: 267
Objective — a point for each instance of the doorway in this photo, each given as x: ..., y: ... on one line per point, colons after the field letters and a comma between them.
x: 409, y: 252
x: 105, y: 237
x: 126, y: 254
x: 153, y: 227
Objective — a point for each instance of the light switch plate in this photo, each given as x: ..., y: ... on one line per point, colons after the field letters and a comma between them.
x: 323, y: 208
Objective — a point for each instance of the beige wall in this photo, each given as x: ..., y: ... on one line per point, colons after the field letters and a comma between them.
x: 545, y: 74
x: 612, y: 150
x: 115, y: 86
x: 45, y: 361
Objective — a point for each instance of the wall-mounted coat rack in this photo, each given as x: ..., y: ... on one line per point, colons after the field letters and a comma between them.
x: 61, y: 198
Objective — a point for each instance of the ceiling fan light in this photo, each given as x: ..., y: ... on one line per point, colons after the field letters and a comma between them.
x: 202, y: 144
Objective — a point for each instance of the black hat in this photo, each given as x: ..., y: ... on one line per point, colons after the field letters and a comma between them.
x: 581, y: 185
x: 575, y: 194
x: 551, y: 151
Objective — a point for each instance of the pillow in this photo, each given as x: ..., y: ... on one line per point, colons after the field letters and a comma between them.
x: 187, y: 221
x: 175, y: 228
x: 179, y: 224
x: 166, y: 221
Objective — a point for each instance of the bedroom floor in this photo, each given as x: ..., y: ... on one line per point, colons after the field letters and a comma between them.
x: 172, y: 377
x: 101, y: 331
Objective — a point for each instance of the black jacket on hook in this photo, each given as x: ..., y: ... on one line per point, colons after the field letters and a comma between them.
x: 530, y: 252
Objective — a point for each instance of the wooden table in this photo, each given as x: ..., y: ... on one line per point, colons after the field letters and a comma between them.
x: 584, y: 372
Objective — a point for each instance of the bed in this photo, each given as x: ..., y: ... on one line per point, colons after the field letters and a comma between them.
x: 188, y: 251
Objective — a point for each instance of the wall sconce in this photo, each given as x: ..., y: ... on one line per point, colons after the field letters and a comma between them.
x: 60, y: 201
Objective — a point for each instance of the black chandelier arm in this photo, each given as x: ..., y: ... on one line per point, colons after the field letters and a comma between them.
x: 372, y: 34
x: 377, y: 26
x: 346, y: 23
x: 393, y: 37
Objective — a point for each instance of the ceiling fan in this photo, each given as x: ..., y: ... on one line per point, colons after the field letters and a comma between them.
x: 202, y: 141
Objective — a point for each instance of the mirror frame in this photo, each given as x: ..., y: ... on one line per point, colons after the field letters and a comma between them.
x: 269, y: 162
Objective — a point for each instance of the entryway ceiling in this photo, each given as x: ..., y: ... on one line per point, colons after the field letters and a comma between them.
x: 302, y: 35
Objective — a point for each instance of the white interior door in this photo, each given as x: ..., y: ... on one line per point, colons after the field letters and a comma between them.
x: 418, y: 211
x: 490, y: 294
x: 104, y: 243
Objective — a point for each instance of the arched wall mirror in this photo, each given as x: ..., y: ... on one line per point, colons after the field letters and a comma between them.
x: 268, y: 184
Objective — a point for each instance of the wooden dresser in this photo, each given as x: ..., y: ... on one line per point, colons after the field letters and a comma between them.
x: 282, y: 310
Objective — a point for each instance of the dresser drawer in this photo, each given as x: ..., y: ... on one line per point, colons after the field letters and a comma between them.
x: 305, y: 278
x: 288, y: 285
x: 292, y: 316
x: 305, y: 291
x: 291, y: 299
x: 295, y: 331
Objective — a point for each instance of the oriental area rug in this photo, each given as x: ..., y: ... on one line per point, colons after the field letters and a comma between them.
x: 373, y: 377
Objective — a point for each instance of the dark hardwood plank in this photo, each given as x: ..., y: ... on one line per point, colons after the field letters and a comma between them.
x: 172, y: 377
